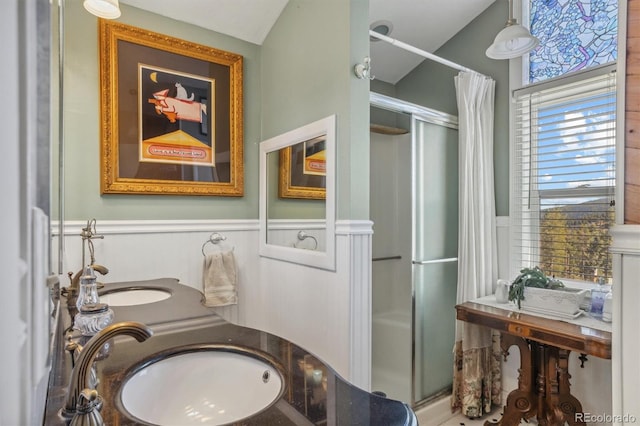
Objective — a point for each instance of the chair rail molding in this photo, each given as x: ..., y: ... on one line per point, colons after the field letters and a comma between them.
x: 114, y: 227
x: 626, y: 239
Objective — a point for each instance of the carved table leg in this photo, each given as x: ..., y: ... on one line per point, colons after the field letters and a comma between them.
x: 567, y: 403
x: 543, y: 386
x: 521, y: 403
x: 553, y: 387
x: 540, y: 352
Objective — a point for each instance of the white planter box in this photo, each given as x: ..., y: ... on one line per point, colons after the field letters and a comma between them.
x: 563, y: 302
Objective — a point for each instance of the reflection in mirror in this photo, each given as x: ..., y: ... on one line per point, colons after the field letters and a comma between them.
x: 295, y: 203
x: 297, y: 195
x: 302, y: 170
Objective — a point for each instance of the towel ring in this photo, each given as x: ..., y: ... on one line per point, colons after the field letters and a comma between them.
x: 214, y: 239
x: 303, y: 236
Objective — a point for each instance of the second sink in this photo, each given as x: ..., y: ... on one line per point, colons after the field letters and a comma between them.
x: 133, y: 296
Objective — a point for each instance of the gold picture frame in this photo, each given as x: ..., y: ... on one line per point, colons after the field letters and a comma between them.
x: 302, y: 171
x: 171, y: 115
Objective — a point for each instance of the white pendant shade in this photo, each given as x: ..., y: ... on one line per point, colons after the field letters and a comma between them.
x: 108, y: 9
x: 513, y: 41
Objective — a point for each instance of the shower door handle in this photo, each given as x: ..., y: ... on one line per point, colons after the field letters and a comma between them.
x: 427, y: 262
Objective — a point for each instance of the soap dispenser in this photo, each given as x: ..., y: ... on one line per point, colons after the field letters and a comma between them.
x: 597, y: 298
x: 93, y: 316
x: 88, y: 291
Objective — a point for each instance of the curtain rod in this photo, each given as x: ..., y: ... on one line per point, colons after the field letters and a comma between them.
x: 421, y: 52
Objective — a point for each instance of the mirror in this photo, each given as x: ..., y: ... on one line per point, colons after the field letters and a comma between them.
x: 297, y: 195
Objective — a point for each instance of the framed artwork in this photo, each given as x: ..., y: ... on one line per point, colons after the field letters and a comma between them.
x: 171, y: 115
x: 302, y: 171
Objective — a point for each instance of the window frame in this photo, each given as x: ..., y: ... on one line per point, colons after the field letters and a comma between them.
x: 536, y: 194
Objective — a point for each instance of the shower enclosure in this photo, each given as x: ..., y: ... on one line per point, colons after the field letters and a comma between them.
x: 414, y: 207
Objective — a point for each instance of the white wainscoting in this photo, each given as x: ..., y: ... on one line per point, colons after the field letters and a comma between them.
x: 626, y: 345
x: 141, y: 250
x: 357, y: 236
x: 325, y: 312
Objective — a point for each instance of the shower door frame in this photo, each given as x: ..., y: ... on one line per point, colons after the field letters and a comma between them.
x: 416, y: 112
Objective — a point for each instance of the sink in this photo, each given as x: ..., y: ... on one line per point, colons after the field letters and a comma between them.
x: 133, y: 296
x: 212, y: 385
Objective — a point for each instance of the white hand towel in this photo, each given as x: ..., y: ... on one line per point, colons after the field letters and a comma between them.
x: 219, y: 276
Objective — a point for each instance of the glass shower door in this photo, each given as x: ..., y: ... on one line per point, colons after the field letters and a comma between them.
x: 434, y: 256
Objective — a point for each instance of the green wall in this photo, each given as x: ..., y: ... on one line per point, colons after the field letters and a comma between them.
x: 302, y: 72
x: 307, y: 74
x: 82, y: 125
x: 431, y: 84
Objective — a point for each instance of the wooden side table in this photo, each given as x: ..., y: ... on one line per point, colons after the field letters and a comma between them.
x: 545, y: 344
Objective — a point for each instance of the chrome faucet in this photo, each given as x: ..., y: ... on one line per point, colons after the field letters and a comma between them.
x: 81, y: 375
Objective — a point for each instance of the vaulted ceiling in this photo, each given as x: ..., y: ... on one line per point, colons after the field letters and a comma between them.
x: 426, y: 24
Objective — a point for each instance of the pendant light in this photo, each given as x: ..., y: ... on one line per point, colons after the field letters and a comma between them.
x: 108, y: 9
x: 514, y: 40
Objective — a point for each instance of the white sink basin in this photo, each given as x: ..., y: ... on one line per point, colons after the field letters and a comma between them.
x: 208, y: 387
x: 130, y: 297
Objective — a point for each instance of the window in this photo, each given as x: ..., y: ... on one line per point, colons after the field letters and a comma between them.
x: 563, y: 176
x: 574, y: 35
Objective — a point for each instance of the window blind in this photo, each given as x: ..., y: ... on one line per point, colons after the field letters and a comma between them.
x: 563, y: 176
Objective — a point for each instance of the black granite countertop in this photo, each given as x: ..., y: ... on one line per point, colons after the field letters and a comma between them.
x: 181, y: 321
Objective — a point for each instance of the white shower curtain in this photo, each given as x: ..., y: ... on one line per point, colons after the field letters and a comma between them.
x: 477, y: 382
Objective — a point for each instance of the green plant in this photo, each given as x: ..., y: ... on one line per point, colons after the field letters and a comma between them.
x: 531, y: 277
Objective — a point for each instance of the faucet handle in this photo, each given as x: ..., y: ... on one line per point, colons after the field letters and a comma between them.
x: 74, y: 349
x: 88, y: 409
